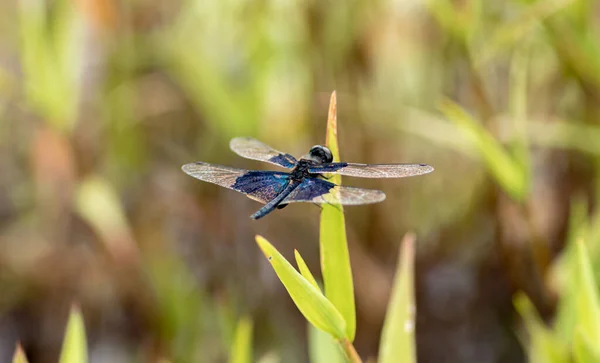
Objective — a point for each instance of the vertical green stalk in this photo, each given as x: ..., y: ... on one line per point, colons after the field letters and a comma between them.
x: 335, y: 258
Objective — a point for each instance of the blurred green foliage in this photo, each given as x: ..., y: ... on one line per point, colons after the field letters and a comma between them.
x: 572, y: 341
x: 74, y: 348
x: 102, y: 101
x: 398, y: 335
x: 241, y: 350
x: 19, y: 356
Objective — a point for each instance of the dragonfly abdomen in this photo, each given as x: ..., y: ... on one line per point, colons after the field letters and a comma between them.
x: 269, y: 207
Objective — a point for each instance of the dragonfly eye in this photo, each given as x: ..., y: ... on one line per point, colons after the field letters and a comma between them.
x: 321, y: 154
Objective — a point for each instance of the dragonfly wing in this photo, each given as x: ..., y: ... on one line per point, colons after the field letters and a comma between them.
x: 261, y: 186
x: 250, y: 148
x: 373, y: 170
x: 321, y: 191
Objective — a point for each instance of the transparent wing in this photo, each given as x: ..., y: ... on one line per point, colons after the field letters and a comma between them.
x: 261, y: 186
x: 321, y: 191
x: 373, y: 170
x: 250, y: 148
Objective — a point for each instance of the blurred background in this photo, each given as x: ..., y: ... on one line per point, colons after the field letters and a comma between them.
x: 102, y: 101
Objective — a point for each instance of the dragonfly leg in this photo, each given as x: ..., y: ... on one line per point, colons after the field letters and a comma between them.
x: 337, y: 206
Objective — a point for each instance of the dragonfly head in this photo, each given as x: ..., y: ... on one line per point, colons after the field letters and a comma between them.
x: 320, y: 154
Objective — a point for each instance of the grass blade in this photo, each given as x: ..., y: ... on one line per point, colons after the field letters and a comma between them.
x: 398, y: 335
x: 305, y: 271
x: 584, y: 349
x: 99, y: 204
x: 319, y: 311
x: 518, y: 110
x: 335, y: 258
x: 587, y: 302
x: 241, y: 350
x: 19, y: 356
x: 544, y: 345
x: 508, y: 173
x: 74, y: 349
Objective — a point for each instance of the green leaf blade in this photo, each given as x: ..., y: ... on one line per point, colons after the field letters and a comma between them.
x: 518, y: 105
x: 398, y: 335
x: 508, y: 173
x: 587, y: 300
x: 74, y: 349
x: 584, y: 350
x: 544, y: 345
x: 319, y: 311
x: 19, y: 356
x: 305, y: 271
x: 241, y: 350
x: 335, y: 257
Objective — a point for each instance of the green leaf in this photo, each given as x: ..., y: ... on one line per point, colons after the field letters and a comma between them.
x: 99, y: 204
x: 518, y: 110
x: 19, y: 356
x: 241, y: 350
x: 508, y: 173
x: 323, y: 348
x: 544, y: 345
x: 51, y: 54
x: 398, y: 335
x: 305, y: 271
x: 587, y: 303
x: 335, y: 258
x: 584, y: 349
x: 74, y: 349
x: 564, y: 271
x: 319, y: 311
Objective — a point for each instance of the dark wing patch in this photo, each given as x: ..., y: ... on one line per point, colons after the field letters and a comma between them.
x: 261, y: 186
x: 321, y: 191
x: 373, y: 170
x: 250, y: 148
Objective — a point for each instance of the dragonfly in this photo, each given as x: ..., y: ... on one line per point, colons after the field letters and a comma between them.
x: 306, y: 180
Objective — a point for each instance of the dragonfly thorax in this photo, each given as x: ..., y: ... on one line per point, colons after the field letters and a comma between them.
x: 300, y: 172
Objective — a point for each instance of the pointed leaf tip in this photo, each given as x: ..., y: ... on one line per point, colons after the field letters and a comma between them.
x: 262, y: 242
x: 241, y: 349
x: 331, y: 134
x: 19, y: 356
x: 74, y: 349
x: 305, y: 271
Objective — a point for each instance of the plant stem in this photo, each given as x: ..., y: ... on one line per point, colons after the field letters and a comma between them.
x: 350, y: 352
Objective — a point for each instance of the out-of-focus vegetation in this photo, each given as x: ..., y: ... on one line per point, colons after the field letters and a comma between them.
x: 102, y: 101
